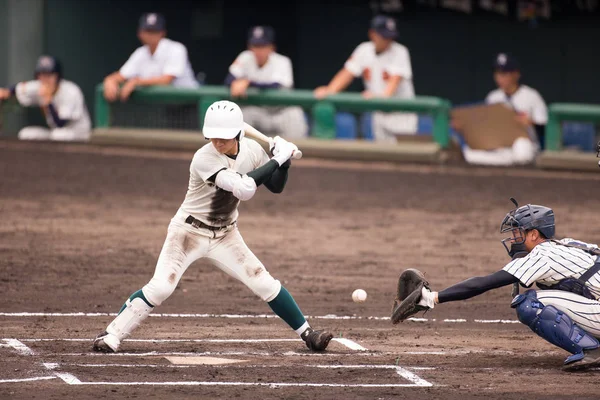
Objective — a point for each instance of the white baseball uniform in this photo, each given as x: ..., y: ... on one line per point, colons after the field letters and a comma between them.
x: 548, y: 263
x: 216, y: 207
x: 376, y: 69
x: 288, y: 122
x: 524, y: 100
x: 170, y: 58
x: 69, y: 104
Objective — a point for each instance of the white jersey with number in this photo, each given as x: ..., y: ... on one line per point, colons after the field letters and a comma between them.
x: 278, y: 69
x: 524, y: 100
x: 170, y: 58
x: 376, y: 69
x: 549, y: 262
x: 207, y: 202
x: 68, y: 101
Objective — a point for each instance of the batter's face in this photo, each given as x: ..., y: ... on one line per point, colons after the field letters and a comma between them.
x: 507, y: 81
x: 381, y: 43
x: 262, y: 53
x: 150, y: 38
x: 50, y: 79
x: 226, y: 146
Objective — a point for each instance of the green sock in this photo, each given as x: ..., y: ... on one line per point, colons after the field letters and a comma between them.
x: 139, y: 294
x: 286, y: 308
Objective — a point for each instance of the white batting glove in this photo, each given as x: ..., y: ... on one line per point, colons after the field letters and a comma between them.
x: 427, y: 298
x: 283, y: 152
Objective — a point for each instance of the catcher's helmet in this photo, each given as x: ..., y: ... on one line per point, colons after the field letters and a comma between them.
x: 48, y: 64
x: 528, y: 217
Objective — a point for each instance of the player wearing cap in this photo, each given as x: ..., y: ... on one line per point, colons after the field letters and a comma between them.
x: 61, y: 101
x: 160, y: 61
x: 260, y: 66
x: 386, y: 70
x: 530, y: 111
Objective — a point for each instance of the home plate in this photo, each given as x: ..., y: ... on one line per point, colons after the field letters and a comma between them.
x: 200, y: 360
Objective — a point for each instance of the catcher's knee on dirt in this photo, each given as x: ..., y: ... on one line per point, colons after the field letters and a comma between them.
x: 552, y: 324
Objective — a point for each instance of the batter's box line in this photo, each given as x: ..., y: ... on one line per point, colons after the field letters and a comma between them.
x: 255, y: 316
x: 414, y: 379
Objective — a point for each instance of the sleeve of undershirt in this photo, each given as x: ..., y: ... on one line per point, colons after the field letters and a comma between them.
x: 131, y: 68
x: 177, y: 61
x: 539, y: 111
x: 475, y: 286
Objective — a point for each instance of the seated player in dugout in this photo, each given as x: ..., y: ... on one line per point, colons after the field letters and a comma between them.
x: 61, y: 101
x: 530, y: 112
x: 564, y: 309
x: 223, y: 172
x: 260, y: 66
x: 386, y: 71
x: 160, y: 61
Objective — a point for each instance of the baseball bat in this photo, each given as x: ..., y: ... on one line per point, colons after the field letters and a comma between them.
x: 256, y: 134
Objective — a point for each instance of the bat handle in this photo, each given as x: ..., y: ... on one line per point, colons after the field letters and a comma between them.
x: 297, y: 155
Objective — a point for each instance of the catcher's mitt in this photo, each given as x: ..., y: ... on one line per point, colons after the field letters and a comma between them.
x: 410, y: 284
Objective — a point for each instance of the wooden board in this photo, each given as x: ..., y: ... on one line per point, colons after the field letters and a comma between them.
x: 488, y: 127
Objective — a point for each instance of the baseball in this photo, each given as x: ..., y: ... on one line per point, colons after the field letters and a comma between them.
x: 359, y: 296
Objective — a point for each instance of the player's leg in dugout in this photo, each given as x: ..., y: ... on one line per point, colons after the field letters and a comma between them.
x: 34, y: 133
x: 182, y: 247
x: 231, y: 254
x: 388, y: 125
x: 290, y: 123
x: 258, y: 117
x: 67, y: 134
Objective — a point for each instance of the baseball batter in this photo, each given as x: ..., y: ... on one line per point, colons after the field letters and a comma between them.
x: 387, y: 72
x: 564, y: 310
x: 61, y: 101
x: 261, y: 67
x: 222, y: 173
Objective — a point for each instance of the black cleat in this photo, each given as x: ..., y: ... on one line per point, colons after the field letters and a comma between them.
x: 591, y: 359
x: 316, y: 340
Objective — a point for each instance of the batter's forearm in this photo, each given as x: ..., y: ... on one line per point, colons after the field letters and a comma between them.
x: 277, y: 182
x: 264, y: 173
x: 475, y: 286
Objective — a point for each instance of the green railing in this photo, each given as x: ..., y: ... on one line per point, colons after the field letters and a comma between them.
x: 559, y: 112
x: 323, y: 111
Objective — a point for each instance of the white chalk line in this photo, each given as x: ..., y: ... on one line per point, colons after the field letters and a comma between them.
x: 254, y: 316
x: 71, y: 379
x: 242, y: 366
x: 415, y: 380
x: 350, y: 344
x: 215, y: 353
x: 39, y: 378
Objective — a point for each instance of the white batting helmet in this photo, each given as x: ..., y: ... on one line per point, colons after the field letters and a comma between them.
x: 223, y: 120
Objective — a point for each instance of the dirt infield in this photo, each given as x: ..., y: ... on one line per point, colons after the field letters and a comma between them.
x: 82, y: 227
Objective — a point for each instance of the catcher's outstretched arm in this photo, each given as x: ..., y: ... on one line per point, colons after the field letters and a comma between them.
x: 475, y: 286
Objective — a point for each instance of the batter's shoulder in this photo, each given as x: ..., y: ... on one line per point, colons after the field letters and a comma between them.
x: 252, y: 145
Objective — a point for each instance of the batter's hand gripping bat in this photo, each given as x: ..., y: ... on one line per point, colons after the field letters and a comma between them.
x: 256, y: 134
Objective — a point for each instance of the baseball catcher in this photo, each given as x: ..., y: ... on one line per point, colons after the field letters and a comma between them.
x: 564, y: 309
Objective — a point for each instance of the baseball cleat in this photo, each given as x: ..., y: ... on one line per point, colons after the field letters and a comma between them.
x: 590, y: 359
x: 316, y: 340
x: 106, y: 343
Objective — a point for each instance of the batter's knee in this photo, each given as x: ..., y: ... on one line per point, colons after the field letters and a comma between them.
x: 264, y: 286
x: 158, y: 290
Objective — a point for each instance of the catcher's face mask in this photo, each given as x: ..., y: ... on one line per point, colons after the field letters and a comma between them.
x: 516, y: 242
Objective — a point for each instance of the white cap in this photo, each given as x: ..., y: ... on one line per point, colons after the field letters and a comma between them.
x: 223, y: 120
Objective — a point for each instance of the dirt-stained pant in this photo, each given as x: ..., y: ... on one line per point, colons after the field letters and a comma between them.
x: 226, y: 249
x: 388, y: 125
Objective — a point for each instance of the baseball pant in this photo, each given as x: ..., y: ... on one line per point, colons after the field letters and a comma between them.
x: 523, y: 151
x: 386, y: 126
x: 583, y: 311
x: 287, y: 122
x: 58, y: 134
x: 225, y: 249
